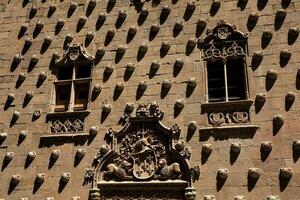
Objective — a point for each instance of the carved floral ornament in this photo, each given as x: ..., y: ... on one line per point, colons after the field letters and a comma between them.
x: 74, y: 52
x: 224, y: 41
x: 143, y: 153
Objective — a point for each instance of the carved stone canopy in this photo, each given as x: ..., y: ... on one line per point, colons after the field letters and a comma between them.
x: 224, y: 41
x: 143, y: 153
x: 75, y: 53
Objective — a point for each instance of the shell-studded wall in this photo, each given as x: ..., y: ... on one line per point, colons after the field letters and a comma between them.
x: 149, y: 51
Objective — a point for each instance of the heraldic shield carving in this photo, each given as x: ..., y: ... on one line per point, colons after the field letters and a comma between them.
x: 143, y: 154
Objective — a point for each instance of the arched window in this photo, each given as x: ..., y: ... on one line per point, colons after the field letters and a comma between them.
x: 224, y: 51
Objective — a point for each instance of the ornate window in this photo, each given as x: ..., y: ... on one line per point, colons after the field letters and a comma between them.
x: 224, y: 51
x: 71, y: 91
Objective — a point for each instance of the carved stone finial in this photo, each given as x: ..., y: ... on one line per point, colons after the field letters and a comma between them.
x: 143, y: 47
x: 285, y: 54
x: 190, y: 193
x: 254, y: 173
x: 97, y: 88
x: 9, y: 156
x: 222, y: 173
x: 166, y: 45
x: 272, y: 74
x: 266, y: 146
x: 16, y: 115
x: 31, y: 155
x: 236, y: 147
x: 40, y: 178
x: 80, y: 153
x: 155, y: 65
x: 179, y: 63
x: 207, y: 148
x: 239, y: 198
x: 167, y: 84
x: 54, y: 154
x: 3, y: 136
x: 106, y: 108
x: 109, y: 69
x: 15, y: 179
x: 178, y: 25
x: 120, y: 86
x: 253, y: 17
x: 195, y: 173
x: 260, y: 98
x: 290, y: 97
x: 192, y: 125
x: 144, y: 11
x: 132, y: 30
x: 267, y: 34
x: 286, y: 172
x: 296, y: 146
x: 179, y: 103
x: 28, y: 42
x: 192, y: 42
x: 23, y: 134
x: 281, y: 13
x: 65, y: 177
x: 192, y: 82
x: 142, y: 85
x: 130, y: 67
x: 202, y: 23
x: 278, y: 120
x: 273, y: 197
x: 209, y: 197
x: 122, y: 14
x: 94, y: 130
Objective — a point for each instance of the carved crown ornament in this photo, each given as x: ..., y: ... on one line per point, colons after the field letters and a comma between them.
x: 222, y: 42
x: 142, y: 153
x: 74, y: 52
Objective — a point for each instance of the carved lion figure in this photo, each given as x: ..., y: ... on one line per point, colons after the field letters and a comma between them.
x: 120, y: 171
x: 166, y: 171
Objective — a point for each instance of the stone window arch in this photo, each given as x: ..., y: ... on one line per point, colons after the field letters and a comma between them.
x: 224, y: 52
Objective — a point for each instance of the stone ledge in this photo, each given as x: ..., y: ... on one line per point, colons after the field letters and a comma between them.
x: 150, y: 185
x: 226, y: 132
x: 229, y: 105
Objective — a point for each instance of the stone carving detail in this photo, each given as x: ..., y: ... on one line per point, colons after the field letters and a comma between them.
x: 228, y: 117
x: 67, y: 125
x: 143, y: 150
x: 75, y: 52
x: 223, y: 42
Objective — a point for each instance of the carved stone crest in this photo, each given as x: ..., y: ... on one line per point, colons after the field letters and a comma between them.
x: 143, y: 152
x: 222, y: 33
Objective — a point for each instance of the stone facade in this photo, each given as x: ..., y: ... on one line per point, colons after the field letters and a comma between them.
x: 147, y: 94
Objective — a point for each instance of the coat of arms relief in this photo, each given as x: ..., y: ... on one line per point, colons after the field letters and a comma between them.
x: 143, y: 153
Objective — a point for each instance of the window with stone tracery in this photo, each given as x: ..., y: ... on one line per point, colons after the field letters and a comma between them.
x: 224, y: 52
x: 71, y: 91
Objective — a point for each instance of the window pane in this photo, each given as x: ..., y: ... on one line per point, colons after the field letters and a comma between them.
x: 65, y: 73
x: 63, y: 94
x: 81, y: 95
x: 216, y: 81
x: 83, y: 71
x: 236, y: 79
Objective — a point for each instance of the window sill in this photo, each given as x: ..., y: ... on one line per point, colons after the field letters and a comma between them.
x: 229, y: 105
x: 245, y: 131
x: 53, y: 115
x: 65, y: 135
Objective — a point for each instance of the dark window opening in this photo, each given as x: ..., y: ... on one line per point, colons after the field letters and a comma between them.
x: 236, y: 79
x: 216, y: 81
x: 65, y: 73
x: 83, y: 71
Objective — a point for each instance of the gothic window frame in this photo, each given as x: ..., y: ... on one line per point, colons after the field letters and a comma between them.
x: 222, y: 43
x: 70, y: 121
